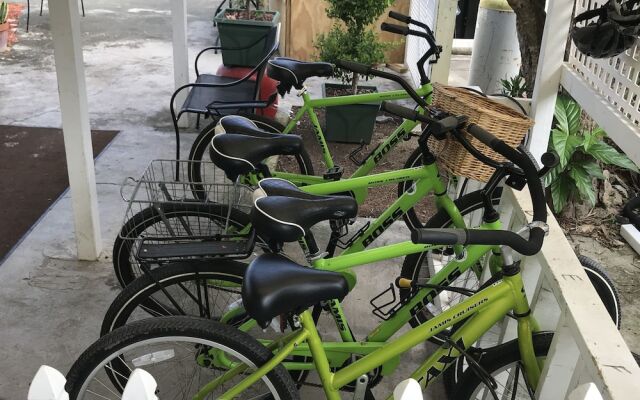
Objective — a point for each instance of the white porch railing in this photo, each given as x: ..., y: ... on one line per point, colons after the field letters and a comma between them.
x: 587, y: 347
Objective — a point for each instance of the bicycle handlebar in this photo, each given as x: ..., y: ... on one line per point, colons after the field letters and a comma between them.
x: 403, y: 112
x: 498, y: 237
x: 367, y: 70
x: 356, y: 67
x: 393, y: 28
x: 434, y: 49
x: 436, y: 126
x: 399, y: 17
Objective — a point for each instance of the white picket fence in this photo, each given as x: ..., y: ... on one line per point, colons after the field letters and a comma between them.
x: 587, y: 347
x: 48, y: 384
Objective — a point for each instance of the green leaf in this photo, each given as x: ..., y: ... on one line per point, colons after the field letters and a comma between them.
x: 608, y: 155
x: 591, y: 167
x: 560, y: 191
x: 565, y: 145
x: 567, y: 115
x: 552, y: 175
x: 587, y: 140
x: 583, y: 183
x: 598, y: 133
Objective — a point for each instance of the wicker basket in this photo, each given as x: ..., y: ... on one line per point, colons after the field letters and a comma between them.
x: 502, y: 121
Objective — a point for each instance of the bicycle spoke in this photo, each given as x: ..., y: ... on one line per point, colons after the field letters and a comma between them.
x: 101, y: 396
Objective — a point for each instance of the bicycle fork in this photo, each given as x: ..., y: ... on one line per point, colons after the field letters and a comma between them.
x: 527, y: 325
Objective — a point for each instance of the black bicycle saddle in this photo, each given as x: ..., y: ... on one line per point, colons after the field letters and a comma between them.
x: 240, y: 153
x: 290, y: 72
x: 274, y: 285
x: 284, y: 213
x: 241, y: 124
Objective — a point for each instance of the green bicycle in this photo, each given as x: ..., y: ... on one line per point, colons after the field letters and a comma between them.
x: 224, y: 363
x: 155, y: 221
x: 211, y: 289
x: 254, y: 146
x: 292, y: 74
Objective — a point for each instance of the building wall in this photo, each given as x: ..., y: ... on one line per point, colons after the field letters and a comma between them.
x: 304, y: 20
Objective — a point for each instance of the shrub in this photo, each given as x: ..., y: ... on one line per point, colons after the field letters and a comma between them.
x: 582, y: 154
x: 350, y: 38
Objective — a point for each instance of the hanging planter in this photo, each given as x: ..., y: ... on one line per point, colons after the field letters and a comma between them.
x: 352, y: 123
x: 251, y: 31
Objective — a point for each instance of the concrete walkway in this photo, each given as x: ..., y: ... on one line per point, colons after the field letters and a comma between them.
x: 51, y: 305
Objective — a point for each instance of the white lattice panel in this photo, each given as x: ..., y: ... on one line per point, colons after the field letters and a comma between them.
x: 617, y: 79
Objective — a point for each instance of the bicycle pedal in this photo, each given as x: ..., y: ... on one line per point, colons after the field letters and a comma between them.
x: 361, y: 387
x: 333, y: 174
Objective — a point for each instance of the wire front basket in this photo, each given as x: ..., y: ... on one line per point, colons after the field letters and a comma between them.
x: 169, y: 219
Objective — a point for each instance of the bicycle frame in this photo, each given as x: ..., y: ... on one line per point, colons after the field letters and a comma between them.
x: 479, y: 313
x: 340, y: 352
x: 402, y: 132
x: 426, y: 180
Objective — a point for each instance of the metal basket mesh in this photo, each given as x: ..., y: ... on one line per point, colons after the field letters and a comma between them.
x: 176, y: 219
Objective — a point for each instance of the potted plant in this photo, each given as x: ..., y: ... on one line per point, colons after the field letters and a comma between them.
x: 252, y: 31
x: 351, y: 38
x: 514, y: 94
x: 4, y: 25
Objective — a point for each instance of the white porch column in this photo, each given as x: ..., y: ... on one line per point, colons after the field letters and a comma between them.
x: 554, y: 40
x: 445, y: 28
x: 180, y: 53
x: 65, y: 29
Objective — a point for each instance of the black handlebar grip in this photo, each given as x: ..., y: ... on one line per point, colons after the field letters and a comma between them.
x: 400, y: 111
x: 393, y: 28
x: 482, y: 135
x: 354, y: 67
x: 400, y: 17
x: 439, y: 236
x: 550, y: 159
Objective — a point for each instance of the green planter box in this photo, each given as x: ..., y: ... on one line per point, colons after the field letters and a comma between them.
x: 242, y: 33
x: 351, y: 123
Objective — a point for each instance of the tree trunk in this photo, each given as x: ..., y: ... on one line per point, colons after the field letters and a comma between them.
x: 354, y: 83
x: 530, y: 17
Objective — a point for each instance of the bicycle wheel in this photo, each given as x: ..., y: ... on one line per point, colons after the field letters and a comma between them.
x: 421, y: 265
x: 606, y: 291
x: 418, y: 215
x: 197, y: 171
x: 504, y: 365
x: 193, y: 288
x: 604, y: 286
x: 182, y: 353
x: 181, y: 219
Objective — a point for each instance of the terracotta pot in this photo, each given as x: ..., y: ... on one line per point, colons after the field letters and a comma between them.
x: 4, y: 36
